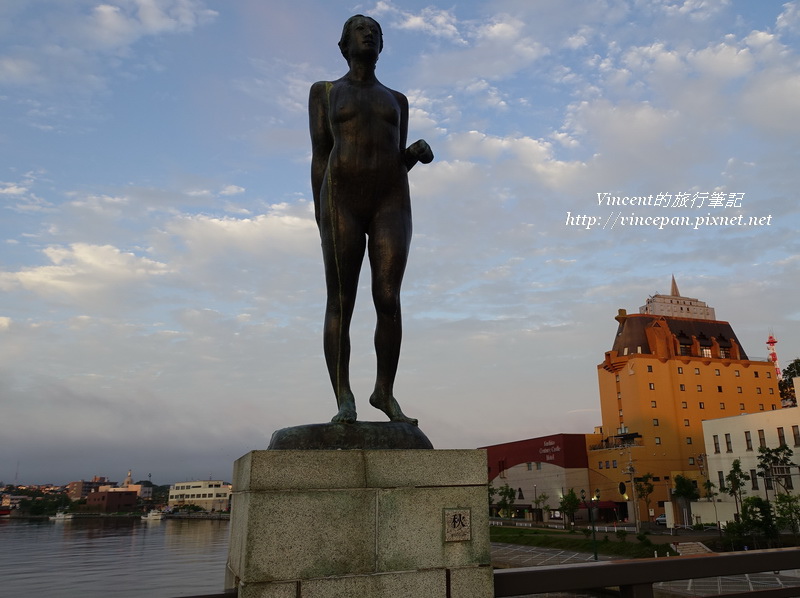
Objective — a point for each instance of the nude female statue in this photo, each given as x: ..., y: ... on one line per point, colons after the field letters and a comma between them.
x: 359, y: 178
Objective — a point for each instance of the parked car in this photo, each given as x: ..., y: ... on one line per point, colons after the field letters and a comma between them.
x: 661, y: 519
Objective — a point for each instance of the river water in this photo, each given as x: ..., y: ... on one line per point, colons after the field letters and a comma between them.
x: 119, y: 558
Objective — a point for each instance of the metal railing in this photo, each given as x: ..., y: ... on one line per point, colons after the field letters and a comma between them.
x: 635, y: 578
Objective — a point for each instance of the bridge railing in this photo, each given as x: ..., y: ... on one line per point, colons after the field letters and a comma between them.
x: 635, y: 578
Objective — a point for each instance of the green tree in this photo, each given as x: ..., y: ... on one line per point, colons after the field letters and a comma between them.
x: 736, y: 479
x: 685, y: 490
x: 569, y: 505
x: 492, y: 493
x: 644, y: 488
x: 759, y: 520
x: 785, y: 386
x: 507, y: 497
x: 541, y: 502
x: 774, y: 464
x: 787, y: 511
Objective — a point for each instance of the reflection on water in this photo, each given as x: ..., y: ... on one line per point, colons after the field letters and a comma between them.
x: 124, y: 558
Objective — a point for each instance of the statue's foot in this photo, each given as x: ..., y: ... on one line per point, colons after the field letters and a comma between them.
x: 347, y: 410
x: 388, y: 404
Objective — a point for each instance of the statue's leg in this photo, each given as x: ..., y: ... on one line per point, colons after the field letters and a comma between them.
x: 389, y: 242
x: 343, y: 246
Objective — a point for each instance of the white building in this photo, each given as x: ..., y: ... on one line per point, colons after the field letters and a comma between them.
x: 676, y: 306
x: 739, y: 437
x: 209, y: 495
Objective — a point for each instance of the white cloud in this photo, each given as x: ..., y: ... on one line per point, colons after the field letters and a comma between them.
x: 231, y: 190
x: 84, y: 274
x: 430, y: 20
x: 789, y: 19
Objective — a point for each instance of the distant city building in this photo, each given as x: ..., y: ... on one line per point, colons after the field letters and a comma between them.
x: 549, y: 466
x: 209, y: 495
x: 677, y: 306
x: 81, y: 489
x: 143, y: 492
x: 111, y: 502
x: 663, y: 377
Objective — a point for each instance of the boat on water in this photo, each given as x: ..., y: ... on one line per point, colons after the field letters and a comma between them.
x: 61, y: 516
x: 154, y: 516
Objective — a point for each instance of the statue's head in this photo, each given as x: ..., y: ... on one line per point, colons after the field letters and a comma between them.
x: 347, y: 30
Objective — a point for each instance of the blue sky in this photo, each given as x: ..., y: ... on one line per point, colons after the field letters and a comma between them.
x: 160, y: 267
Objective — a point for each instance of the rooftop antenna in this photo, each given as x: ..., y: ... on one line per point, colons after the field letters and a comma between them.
x: 773, y: 355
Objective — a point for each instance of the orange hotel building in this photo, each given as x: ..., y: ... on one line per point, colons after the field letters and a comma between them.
x: 672, y: 366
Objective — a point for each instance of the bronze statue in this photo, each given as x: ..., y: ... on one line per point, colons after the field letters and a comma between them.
x: 359, y: 178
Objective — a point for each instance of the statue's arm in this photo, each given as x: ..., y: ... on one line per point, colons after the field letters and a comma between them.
x: 419, y: 151
x: 321, y: 138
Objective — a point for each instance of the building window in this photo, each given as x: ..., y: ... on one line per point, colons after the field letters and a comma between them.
x: 653, y: 404
x: 755, y: 374
x: 684, y: 405
x: 769, y: 374
x: 702, y: 405
x: 658, y: 439
x: 691, y: 460
x: 599, y: 465
x: 530, y: 466
x: 607, y: 465
x: 688, y: 440
x: 686, y: 423
x: 683, y: 387
x: 739, y: 389
x: 716, y: 372
x: 781, y: 437
x: 768, y: 483
x: 728, y: 444
x: 796, y: 434
x: 774, y: 407
x: 699, y: 388
x: 614, y: 463
x: 722, y: 406
x: 754, y: 479
x: 741, y: 406
x: 721, y: 478
x: 696, y: 371
x: 719, y: 389
x: 762, y: 441
x: 706, y: 352
x: 652, y: 386
x: 748, y: 440
x: 649, y: 368
x: 617, y: 377
x: 680, y: 370
x: 761, y: 406
x: 758, y: 390
x: 736, y: 373
x: 655, y: 422
x: 716, y: 443
x: 724, y: 353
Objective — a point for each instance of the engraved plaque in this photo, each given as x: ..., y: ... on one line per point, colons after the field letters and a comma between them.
x: 457, y: 525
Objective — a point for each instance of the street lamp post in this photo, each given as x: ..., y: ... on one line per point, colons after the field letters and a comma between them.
x: 596, y: 497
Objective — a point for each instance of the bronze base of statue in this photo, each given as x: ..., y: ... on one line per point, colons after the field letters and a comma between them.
x: 357, y: 436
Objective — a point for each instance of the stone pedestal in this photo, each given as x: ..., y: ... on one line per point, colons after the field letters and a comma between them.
x: 360, y: 524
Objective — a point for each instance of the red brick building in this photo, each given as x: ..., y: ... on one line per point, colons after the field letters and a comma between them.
x: 111, y: 502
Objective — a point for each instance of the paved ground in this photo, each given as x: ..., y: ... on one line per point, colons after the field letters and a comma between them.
x: 513, y: 555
